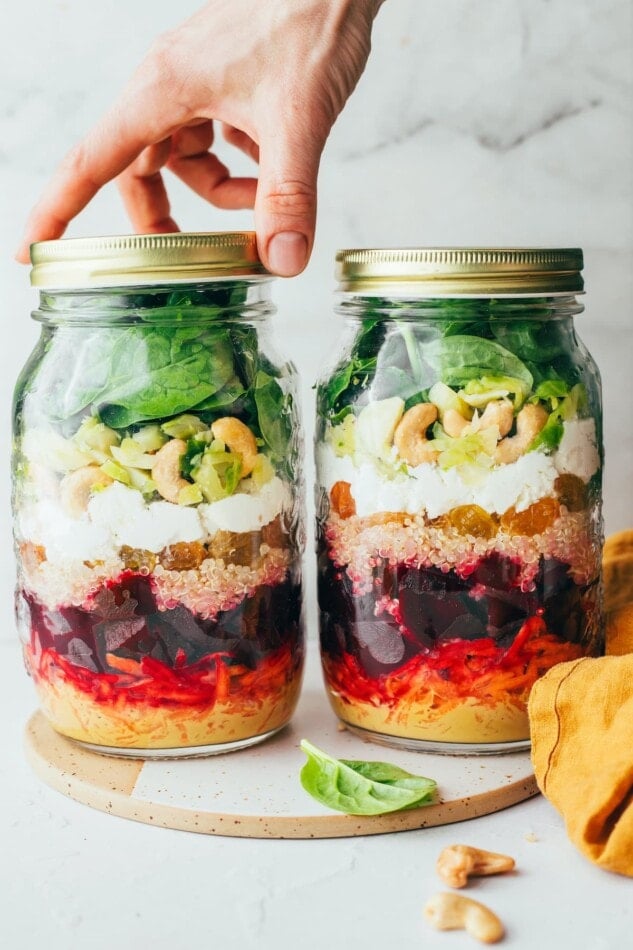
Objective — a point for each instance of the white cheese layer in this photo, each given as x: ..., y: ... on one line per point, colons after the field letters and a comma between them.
x: 118, y: 516
x: 241, y: 513
x: 131, y: 522
x: 433, y: 491
x: 44, y: 523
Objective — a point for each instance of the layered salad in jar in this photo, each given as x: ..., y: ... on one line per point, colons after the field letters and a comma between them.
x: 459, y: 521
x: 158, y: 527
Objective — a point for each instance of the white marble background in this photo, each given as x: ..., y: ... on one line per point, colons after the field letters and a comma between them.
x: 496, y: 122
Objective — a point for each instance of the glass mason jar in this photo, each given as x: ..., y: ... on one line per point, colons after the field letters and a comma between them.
x: 158, y: 497
x: 459, y: 458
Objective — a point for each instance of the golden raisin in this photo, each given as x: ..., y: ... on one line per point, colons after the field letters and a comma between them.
x: 473, y: 520
x: 341, y: 499
x: 572, y: 492
x: 234, y: 548
x: 534, y: 520
x: 32, y: 555
x: 183, y: 556
x: 440, y: 523
x: 386, y: 517
x: 137, y: 559
x: 273, y: 534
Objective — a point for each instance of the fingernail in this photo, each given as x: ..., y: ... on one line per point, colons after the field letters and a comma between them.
x: 287, y: 253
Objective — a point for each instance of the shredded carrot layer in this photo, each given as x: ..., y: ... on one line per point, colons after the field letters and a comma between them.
x: 442, y: 678
x: 214, y: 678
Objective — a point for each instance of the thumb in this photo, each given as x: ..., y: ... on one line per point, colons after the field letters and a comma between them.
x: 285, y: 205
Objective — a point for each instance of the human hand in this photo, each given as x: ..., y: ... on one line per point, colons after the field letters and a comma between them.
x: 274, y: 75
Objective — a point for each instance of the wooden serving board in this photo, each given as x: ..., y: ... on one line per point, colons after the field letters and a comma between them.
x: 256, y: 792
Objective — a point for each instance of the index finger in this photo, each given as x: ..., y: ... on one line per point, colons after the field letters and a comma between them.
x: 138, y: 120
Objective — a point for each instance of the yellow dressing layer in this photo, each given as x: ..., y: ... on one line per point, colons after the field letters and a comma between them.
x: 468, y: 721
x: 125, y: 725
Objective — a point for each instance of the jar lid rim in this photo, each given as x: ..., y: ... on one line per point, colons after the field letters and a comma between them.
x: 449, y: 271
x: 144, y: 259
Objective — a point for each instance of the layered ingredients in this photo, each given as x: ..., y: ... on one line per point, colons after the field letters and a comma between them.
x: 158, y: 527
x: 459, y: 522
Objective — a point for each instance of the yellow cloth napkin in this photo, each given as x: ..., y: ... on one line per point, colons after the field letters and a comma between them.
x: 581, y: 721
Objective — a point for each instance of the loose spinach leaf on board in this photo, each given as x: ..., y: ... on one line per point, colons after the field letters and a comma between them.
x: 362, y: 788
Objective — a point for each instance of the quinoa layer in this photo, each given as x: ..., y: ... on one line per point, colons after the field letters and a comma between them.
x: 355, y: 543
x: 207, y: 589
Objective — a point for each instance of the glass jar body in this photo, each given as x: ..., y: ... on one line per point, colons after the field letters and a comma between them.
x: 158, y: 519
x: 458, y: 516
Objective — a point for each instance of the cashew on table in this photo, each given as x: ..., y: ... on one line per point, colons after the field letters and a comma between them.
x: 458, y: 862
x: 455, y: 912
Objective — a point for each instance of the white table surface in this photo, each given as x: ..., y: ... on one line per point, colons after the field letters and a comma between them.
x: 73, y: 877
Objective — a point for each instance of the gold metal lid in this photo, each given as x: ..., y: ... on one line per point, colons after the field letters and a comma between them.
x: 141, y: 259
x: 460, y: 271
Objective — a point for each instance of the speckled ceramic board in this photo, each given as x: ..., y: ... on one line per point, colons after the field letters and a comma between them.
x: 256, y: 792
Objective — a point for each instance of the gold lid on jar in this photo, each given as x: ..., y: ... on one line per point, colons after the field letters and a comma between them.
x: 142, y: 259
x: 460, y: 271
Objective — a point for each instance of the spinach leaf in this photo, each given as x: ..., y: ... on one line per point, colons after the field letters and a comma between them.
x: 393, y: 381
x: 231, y: 393
x: 352, y: 376
x: 412, y: 362
x: 172, y: 353
x: 274, y: 415
x: 458, y: 359
x: 552, y: 432
x: 76, y: 370
x: 347, y: 383
x: 362, y: 788
x: 536, y: 340
x: 159, y: 372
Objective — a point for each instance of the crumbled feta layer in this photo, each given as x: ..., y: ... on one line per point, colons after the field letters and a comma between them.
x: 118, y: 516
x: 132, y: 522
x: 45, y: 523
x: 241, y: 513
x: 578, y: 452
x: 431, y: 490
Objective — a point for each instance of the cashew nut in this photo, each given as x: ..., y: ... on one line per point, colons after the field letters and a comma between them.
x: 239, y: 438
x: 456, y: 912
x: 498, y: 412
x: 166, y: 470
x: 530, y: 421
x: 76, y: 487
x: 459, y: 861
x: 410, y: 435
x: 454, y: 423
